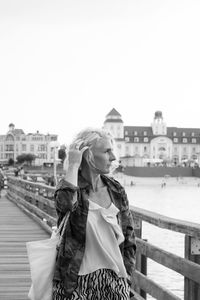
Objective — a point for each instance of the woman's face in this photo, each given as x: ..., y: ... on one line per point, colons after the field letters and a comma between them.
x: 103, y: 155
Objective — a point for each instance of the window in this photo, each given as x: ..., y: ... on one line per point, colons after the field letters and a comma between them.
x: 9, y: 138
x: 127, y: 151
x: 184, y: 140
x: 183, y: 133
x: 162, y: 149
x: 135, y: 133
x: 136, y: 140
x: 42, y: 155
x: 127, y: 139
x: 41, y: 148
x: 23, y: 147
x: 146, y: 139
x: 145, y: 149
x: 192, y: 134
x: 194, y: 140
x: 126, y: 132
x: 174, y: 133
x: 9, y: 147
x: 175, y: 140
x: 145, y: 133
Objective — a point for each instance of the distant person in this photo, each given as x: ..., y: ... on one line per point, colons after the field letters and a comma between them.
x: 21, y: 171
x: 163, y: 184
x: 51, y: 181
x: 16, y: 172
x: 1, y: 181
x: 96, y: 257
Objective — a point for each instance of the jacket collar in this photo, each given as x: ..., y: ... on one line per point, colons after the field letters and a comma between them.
x: 108, y: 181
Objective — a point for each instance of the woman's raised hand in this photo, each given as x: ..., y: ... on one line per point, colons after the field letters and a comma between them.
x: 75, y: 153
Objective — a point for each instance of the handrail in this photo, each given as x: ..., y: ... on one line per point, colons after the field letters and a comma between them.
x: 181, y: 226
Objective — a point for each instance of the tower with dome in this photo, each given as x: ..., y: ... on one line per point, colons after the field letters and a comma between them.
x: 154, y: 144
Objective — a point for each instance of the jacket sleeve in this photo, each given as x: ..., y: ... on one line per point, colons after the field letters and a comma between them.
x: 129, y: 246
x: 65, y: 198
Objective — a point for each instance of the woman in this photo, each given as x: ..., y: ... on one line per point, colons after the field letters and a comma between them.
x: 96, y: 256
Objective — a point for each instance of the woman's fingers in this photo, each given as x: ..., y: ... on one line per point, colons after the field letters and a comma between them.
x: 76, y: 145
x: 83, y: 149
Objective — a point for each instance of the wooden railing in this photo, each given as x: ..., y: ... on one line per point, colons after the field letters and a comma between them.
x: 37, y: 201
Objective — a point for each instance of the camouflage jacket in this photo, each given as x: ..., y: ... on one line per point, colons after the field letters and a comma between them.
x: 71, y: 250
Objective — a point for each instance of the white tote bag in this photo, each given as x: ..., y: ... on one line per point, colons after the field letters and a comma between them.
x: 42, y: 258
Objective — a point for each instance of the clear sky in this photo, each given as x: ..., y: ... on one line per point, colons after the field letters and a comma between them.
x: 64, y: 64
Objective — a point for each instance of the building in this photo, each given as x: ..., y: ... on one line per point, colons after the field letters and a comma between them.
x: 16, y: 142
x: 144, y: 145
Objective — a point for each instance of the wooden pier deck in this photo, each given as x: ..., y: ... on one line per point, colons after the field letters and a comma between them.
x: 16, y: 228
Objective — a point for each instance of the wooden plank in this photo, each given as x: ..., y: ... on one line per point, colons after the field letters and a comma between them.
x: 30, y: 210
x: 174, y: 262
x: 135, y: 295
x: 152, y: 288
x: 191, y: 288
x: 16, y: 228
x: 189, y: 228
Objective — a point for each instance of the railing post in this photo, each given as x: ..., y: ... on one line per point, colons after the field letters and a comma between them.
x: 141, y: 260
x: 191, y: 289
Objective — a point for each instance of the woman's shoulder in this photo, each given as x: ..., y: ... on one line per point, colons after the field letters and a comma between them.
x: 65, y: 185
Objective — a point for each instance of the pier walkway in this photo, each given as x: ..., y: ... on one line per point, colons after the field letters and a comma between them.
x: 16, y: 228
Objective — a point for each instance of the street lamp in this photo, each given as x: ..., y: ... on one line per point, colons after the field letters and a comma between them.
x: 55, y: 145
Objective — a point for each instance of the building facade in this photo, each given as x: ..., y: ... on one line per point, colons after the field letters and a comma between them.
x: 15, y: 142
x: 143, y: 145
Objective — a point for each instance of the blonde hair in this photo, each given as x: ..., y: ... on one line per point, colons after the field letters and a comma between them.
x: 89, y: 136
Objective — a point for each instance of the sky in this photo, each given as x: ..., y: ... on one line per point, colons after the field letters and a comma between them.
x: 64, y: 64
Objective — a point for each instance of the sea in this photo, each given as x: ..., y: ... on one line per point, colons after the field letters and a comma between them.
x: 179, y: 199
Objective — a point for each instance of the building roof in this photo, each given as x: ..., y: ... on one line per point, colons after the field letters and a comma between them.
x: 139, y: 129
x: 113, y: 112
x: 194, y: 132
x: 16, y: 132
x: 113, y: 121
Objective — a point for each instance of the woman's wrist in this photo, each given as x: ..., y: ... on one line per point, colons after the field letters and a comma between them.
x: 72, y: 174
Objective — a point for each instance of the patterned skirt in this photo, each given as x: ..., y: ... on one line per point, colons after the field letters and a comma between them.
x: 102, y: 284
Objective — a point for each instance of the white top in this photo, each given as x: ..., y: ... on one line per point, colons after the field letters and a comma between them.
x: 103, y: 236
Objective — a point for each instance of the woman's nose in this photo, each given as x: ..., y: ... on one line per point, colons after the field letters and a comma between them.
x: 112, y: 157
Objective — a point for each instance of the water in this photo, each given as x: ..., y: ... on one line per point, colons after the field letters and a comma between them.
x: 179, y: 199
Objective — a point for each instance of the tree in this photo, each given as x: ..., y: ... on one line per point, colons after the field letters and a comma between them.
x: 62, y: 153
x: 30, y: 158
x: 21, y: 158
x: 26, y: 157
x: 11, y: 162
